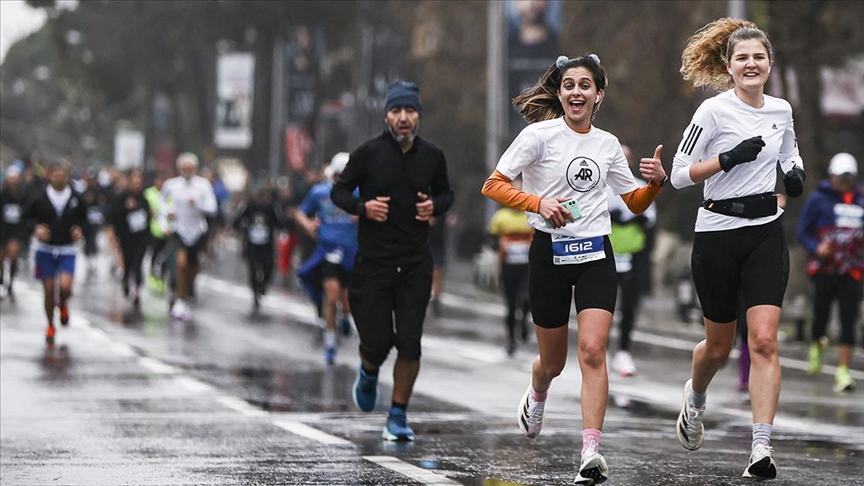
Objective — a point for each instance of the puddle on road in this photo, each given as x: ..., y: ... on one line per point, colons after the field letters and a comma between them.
x: 290, y: 390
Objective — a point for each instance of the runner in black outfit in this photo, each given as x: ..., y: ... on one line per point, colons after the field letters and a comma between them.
x: 403, y: 182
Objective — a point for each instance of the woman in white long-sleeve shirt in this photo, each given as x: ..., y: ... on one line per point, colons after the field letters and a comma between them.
x: 733, y: 145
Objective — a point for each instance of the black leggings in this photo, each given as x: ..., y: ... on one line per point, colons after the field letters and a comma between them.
x: 514, y: 279
x: 133, y: 255
x: 630, y: 296
x: 847, y: 292
x: 260, y: 259
x: 157, y: 256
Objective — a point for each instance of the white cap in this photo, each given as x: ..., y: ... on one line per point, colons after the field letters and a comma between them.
x: 843, y: 163
x: 337, y: 164
x: 13, y: 171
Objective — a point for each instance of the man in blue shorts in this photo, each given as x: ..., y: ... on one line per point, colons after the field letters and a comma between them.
x: 58, y: 214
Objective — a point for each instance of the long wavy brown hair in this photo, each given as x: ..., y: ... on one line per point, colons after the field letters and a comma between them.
x: 708, y: 50
x: 540, y: 102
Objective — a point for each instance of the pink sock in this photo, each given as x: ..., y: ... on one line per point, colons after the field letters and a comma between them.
x: 589, y: 436
x: 537, y: 396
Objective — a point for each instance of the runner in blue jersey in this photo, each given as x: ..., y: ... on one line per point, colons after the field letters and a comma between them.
x: 325, y: 274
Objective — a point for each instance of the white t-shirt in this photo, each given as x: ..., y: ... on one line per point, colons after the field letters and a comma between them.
x: 721, y: 123
x: 556, y: 161
x: 190, y: 221
x: 59, y: 199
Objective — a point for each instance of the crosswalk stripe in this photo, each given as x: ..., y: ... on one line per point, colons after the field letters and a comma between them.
x: 303, y: 430
x: 424, y: 476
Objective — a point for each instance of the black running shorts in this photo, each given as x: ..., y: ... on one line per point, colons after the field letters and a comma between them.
x: 754, y: 259
x: 591, y: 285
x: 388, y: 303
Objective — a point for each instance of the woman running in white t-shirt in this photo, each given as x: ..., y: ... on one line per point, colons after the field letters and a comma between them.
x: 566, y: 165
x: 733, y: 145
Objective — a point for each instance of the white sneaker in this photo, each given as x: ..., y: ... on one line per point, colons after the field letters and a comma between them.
x: 691, y: 432
x: 623, y: 364
x: 593, y: 469
x: 530, y: 415
x: 180, y: 310
x: 761, y: 465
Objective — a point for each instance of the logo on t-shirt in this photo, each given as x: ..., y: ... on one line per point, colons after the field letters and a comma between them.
x: 774, y: 126
x: 583, y: 174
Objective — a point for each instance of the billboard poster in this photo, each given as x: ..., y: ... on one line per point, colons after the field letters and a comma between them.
x: 533, y: 27
x: 235, y: 84
x: 128, y: 149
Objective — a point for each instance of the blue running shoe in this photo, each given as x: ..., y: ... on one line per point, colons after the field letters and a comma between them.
x: 330, y: 355
x: 397, y: 428
x: 365, y: 390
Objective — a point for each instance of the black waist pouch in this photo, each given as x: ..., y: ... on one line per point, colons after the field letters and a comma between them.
x: 750, y: 207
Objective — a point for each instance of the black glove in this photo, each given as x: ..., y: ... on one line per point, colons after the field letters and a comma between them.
x: 744, y: 152
x: 615, y: 215
x: 794, y: 181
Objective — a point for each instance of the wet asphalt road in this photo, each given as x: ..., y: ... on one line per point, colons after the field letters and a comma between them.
x: 130, y: 397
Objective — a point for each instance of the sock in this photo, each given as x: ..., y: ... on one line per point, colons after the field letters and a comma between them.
x: 539, y: 396
x: 398, y: 406
x: 697, y: 399
x: 762, y: 433
x: 590, y: 437
x: 329, y: 338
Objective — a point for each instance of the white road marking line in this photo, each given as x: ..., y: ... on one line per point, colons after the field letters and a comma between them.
x: 416, y: 473
x: 156, y: 366
x: 123, y: 349
x: 312, y: 433
x: 241, y: 406
x: 193, y: 385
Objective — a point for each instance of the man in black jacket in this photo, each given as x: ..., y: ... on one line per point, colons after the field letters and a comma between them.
x: 403, y: 182
x: 58, y: 214
x: 13, y: 231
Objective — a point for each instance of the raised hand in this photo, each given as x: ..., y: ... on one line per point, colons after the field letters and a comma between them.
x: 651, y: 168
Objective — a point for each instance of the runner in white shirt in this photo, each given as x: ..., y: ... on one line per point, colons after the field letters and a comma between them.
x: 733, y: 145
x: 189, y: 199
x: 566, y: 166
